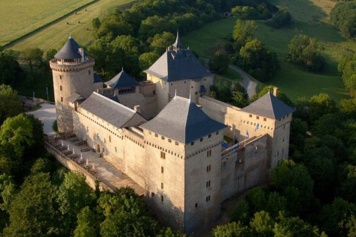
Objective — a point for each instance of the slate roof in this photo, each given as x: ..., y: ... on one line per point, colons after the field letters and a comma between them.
x: 70, y: 50
x: 97, y: 78
x: 269, y: 106
x: 182, y: 121
x: 122, y: 80
x: 110, y: 111
x: 74, y: 97
x: 178, y: 64
x: 175, y: 65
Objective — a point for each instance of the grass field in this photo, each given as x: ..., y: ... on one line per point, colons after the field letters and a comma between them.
x: 310, y: 18
x: 79, y: 26
x: 20, y: 17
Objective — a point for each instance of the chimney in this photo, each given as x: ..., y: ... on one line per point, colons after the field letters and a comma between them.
x: 137, y: 108
x: 275, y: 91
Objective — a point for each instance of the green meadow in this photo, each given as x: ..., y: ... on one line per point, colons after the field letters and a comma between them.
x: 18, y: 18
x: 78, y: 25
x: 310, y: 18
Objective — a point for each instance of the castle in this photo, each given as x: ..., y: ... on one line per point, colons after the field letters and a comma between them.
x: 167, y: 135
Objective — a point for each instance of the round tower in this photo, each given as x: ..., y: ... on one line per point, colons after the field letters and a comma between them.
x: 73, y: 78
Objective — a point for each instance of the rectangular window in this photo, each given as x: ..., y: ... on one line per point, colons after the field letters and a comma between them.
x: 162, y: 198
x: 162, y: 185
x: 60, y: 76
x: 208, y: 153
x: 196, y: 205
x: 61, y: 99
x: 207, y: 199
x: 163, y: 155
x: 60, y: 88
x: 109, y: 138
x: 208, y: 168
x: 162, y: 169
x: 208, y: 184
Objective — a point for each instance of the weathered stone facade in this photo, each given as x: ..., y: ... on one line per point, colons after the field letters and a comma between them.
x: 156, y: 134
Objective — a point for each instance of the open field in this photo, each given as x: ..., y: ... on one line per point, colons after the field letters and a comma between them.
x: 18, y: 18
x: 310, y: 19
x: 79, y: 26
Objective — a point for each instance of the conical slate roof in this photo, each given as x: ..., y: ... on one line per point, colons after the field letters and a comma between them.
x: 182, y: 121
x: 269, y: 106
x: 70, y: 50
x: 122, y: 80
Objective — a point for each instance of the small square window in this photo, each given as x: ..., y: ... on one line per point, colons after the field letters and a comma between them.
x: 192, y: 143
x: 201, y: 139
x: 250, y: 115
x: 152, y: 194
x: 207, y: 199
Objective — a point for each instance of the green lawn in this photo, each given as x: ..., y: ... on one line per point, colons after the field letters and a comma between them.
x: 79, y: 26
x: 310, y: 18
x: 21, y: 17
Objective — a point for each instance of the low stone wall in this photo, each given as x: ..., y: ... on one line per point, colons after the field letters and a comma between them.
x: 73, y: 166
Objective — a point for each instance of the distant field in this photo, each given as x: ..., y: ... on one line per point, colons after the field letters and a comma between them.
x: 78, y: 25
x: 20, y: 17
x: 310, y: 19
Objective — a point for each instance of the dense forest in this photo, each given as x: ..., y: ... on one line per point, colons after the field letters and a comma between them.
x: 311, y: 194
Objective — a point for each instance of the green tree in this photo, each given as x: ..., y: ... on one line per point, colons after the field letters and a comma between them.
x: 10, y: 70
x: 347, y: 66
x: 335, y: 217
x: 33, y: 57
x: 125, y: 215
x: 294, y: 227
x: 241, y: 213
x: 258, y: 61
x: 306, y: 52
x: 262, y: 224
x: 295, y: 183
x: 73, y: 195
x: 219, y: 63
x: 232, y: 230
x: 21, y: 140
x: 281, y: 19
x: 159, y: 42
x: 32, y: 211
x: 10, y: 104
x: 321, y: 104
x: 86, y: 224
x: 243, y: 32
x: 343, y: 17
x: 147, y: 59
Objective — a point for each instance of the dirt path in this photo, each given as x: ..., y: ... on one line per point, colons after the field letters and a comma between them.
x: 247, y: 83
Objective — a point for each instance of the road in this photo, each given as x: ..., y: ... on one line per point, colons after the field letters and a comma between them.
x: 247, y: 83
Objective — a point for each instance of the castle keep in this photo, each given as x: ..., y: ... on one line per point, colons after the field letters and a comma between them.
x: 167, y: 135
